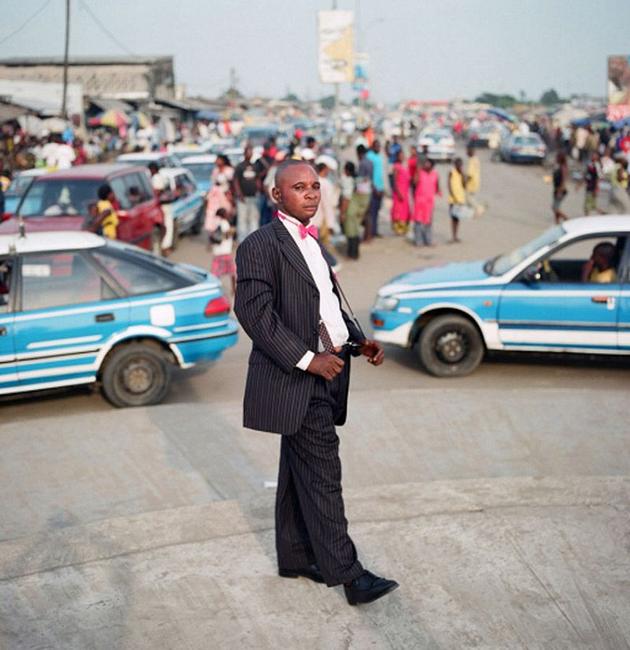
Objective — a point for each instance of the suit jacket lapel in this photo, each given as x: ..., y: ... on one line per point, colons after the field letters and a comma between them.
x: 292, y: 252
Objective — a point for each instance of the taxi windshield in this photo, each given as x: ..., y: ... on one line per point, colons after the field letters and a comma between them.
x: 59, y: 197
x: 503, y: 263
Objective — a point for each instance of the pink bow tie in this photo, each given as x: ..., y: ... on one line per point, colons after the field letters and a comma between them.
x: 308, y: 230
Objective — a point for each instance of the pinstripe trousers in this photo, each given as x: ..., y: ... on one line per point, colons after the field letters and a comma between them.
x: 310, y: 521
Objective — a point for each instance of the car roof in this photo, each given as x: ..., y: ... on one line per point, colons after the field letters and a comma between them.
x: 594, y: 225
x: 90, y: 171
x: 143, y: 155
x: 37, y: 242
x: 36, y: 171
x: 173, y: 171
x: 205, y: 159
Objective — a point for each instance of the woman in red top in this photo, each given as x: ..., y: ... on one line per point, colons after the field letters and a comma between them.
x: 400, y: 196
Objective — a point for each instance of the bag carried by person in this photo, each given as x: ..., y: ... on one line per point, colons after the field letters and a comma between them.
x: 463, y: 212
x: 216, y: 236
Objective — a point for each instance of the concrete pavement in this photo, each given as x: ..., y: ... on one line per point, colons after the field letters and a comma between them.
x: 495, y: 563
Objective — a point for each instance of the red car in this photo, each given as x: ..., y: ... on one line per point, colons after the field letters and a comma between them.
x: 65, y: 200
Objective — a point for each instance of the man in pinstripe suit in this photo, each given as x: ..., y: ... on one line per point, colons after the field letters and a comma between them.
x: 297, y: 383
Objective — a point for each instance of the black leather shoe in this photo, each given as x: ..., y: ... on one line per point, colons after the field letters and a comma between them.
x: 367, y: 588
x: 311, y: 572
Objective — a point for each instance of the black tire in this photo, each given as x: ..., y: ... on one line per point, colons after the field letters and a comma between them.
x: 136, y: 375
x: 156, y: 241
x: 450, y: 346
x: 198, y: 225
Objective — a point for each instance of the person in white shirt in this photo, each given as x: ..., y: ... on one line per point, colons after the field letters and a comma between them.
x: 297, y: 383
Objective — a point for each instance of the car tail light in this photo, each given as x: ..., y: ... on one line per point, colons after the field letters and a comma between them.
x: 220, y: 305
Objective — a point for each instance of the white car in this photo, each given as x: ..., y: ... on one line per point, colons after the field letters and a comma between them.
x: 145, y: 158
x: 440, y: 143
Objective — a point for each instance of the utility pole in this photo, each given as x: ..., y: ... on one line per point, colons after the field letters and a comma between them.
x: 65, y: 62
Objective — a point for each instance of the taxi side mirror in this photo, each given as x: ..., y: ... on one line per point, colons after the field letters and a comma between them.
x: 531, y: 275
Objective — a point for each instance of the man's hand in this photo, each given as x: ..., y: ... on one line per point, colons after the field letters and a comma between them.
x: 373, y: 351
x: 326, y: 365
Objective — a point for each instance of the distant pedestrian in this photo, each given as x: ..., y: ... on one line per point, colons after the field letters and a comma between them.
x: 353, y: 208
x: 427, y: 187
x: 400, y: 195
x: 325, y: 218
x: 106, y: 222
x: 412, y: 166
x: 473, y: 181
x: 246, y: 190
x: 391, y: 150
x: 456, y: 197
x: 560, y: 179
x: 591, y: 181
x: 219, y: 196
x: 222, y: 243
x: 619, y: 201
x: 378, y: 189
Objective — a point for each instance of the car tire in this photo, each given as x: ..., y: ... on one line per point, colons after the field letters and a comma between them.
x: 136, y: 374
x: 450, y: 346
x: 156, y: 241
x: 199, y: 219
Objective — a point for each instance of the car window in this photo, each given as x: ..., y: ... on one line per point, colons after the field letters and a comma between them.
x: 5, y: 285
x: 136, y: 278
x: 58, y: 197
x: 59, y: 279
x: 136, y: 191
x: 145, y: 183
x: 119, y: 187
x: 572, y: 263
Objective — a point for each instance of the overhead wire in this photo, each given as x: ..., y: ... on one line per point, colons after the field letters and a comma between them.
x: 104, y: 29
x: 25, y: 23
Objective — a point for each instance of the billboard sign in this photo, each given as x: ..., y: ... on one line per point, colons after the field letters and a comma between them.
x: 618, y: 87
x: 335, y: 46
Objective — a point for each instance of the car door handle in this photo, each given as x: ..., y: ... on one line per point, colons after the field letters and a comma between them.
x: 3, y: 331
x: 600, y: 299
x: 104, y: 318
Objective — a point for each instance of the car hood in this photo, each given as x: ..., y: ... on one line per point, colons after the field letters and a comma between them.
x: 432, y: 277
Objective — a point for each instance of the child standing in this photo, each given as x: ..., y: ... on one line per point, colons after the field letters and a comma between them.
x: 221, y: 240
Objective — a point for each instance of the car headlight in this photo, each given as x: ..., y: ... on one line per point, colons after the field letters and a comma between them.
x: 386, y: 303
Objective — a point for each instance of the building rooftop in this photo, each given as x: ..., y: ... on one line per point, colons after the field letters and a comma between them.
x: 85, y: 60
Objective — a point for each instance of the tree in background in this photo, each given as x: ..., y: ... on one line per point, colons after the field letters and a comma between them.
x: 501, y: 101
x: 550, y: 97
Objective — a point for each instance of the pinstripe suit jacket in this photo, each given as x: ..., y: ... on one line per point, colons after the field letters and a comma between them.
x: 277, y: 303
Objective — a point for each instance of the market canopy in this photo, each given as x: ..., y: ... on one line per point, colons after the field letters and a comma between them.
x: 211, y: 116
x: 502, y: 115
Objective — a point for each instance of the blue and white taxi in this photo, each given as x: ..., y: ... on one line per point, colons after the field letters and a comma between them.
x: 77, y: 309
x: 568, y: 290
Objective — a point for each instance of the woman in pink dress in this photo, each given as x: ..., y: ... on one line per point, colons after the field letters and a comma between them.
x: 427, y: 186
x: 400, y: 196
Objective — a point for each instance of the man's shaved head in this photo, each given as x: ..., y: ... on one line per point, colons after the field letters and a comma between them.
x: 297, y: 189
x: 284, y: 169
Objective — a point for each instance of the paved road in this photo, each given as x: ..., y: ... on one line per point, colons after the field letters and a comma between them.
x: 152, y: 527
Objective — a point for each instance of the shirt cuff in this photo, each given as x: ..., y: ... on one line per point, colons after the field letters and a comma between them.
x: 305, y: 361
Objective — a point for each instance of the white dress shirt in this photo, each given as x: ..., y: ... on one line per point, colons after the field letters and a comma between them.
x: 329, y: 310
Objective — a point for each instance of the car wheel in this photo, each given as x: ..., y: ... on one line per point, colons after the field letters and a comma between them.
x: 156, y: 241
x: 199, y: 219
x: 135, y: 375
x: 450, y: 346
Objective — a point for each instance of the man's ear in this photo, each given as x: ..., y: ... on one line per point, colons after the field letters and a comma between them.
x: 276, y: 195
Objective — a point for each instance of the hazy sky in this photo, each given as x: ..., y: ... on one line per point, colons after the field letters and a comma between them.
x: 423, y: 49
